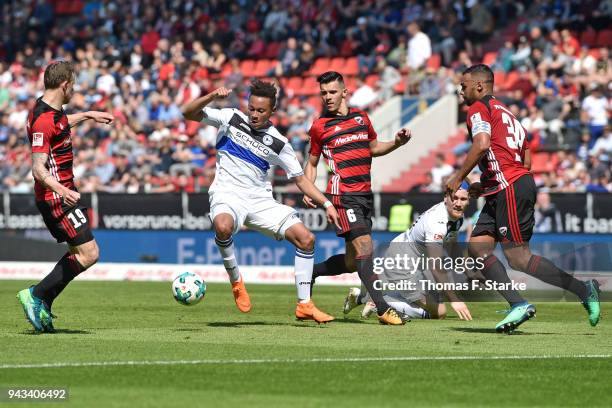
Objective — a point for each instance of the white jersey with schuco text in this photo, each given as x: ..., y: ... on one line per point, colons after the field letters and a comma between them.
x: 244, y: 154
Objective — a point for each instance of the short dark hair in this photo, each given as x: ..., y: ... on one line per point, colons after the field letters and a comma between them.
x: 58, y: 72
x: 265, y: 89
x: 483, y: 70
x: 330, y: 76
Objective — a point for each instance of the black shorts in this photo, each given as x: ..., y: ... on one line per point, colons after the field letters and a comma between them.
x: 355, y: 213
x: 66, y: 224
x: 508, y: 214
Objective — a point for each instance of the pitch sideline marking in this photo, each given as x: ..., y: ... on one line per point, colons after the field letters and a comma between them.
x: 312, y: 360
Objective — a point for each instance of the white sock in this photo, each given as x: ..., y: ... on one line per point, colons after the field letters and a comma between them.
x: 304, y: 262
x: 229, y: 259
x: 409, y: 310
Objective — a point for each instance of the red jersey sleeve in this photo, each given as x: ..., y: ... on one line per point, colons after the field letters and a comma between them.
x: 315, y: 139
x: 372, y: 135
x: 479, y: 119
x: 41, y: 133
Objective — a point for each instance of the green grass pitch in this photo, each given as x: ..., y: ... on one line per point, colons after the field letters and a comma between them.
x: 218, y: 357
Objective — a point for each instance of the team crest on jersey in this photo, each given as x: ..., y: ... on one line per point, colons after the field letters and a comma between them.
x: 267, y: 140
x: 503, y: 230
x: 37, y: 139
x: 359, y: 120
x: 67, y: 140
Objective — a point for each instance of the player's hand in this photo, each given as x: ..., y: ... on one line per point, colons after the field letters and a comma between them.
x: 221, y: 93
x: 309, y: 202
x: 462, y: 310
x: 332, y: 216
x: 102, y: 117
x: 71, y: 198
x: 452, y: 184
x: 475, y: 190
x: 403, y: 136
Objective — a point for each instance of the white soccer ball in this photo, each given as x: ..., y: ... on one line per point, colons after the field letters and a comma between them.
x: 188, y: 288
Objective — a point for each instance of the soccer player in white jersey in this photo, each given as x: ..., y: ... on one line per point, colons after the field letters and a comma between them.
x: 435, y: 230
x: 247, y: 144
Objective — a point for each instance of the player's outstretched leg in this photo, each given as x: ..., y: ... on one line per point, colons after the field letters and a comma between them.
x: 224, y: 226
x: 332, y: 266
x: 304, y: 261
x: 362, y: 247
x: 587, y: 292
x: 37, y: 300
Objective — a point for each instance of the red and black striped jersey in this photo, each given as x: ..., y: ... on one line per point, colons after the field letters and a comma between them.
x: 49, y: 132
x: 503, y: 162
x: 345, y: 144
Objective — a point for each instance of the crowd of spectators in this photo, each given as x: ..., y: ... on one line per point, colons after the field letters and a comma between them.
x: 141, y: 60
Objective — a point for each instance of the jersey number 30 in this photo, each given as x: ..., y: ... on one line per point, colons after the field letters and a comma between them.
x: 516, y: 134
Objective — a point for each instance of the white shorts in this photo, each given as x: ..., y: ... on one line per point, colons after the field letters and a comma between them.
x: 261, y: 213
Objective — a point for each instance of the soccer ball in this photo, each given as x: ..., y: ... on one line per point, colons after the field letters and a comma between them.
x: 188, y: 288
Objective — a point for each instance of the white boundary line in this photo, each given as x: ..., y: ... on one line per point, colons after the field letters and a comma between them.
x: 292, y: 361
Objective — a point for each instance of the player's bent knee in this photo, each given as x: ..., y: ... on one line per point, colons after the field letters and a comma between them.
x: 224, y: 230
x: 306, y: 241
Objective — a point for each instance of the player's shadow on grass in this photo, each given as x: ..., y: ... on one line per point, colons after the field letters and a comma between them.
x: 57, y: 332
x: 240, y: 324
x: 492, y: 331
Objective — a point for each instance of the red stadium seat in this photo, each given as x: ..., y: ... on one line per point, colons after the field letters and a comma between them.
x: 595, y: 53
x: 272, y: 50
x: 500, y: 79
x: 589, y: 38
x: 434, y: 61
x: 320, y: 66
x: 311, y: 86
x: 351, y: 66
x: 511, y: 79
x: 315, y: 102
x: 247, y: 67
x: 262, y: 67
x: 489, y: 58
x: 294, y: 84
x: 371, y: 80
x: 350, y: 82
x: 604, y: 38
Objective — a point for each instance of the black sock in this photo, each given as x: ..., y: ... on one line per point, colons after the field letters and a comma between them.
x: 365, y: 268
x: 495, y: 271
x: 546, y: 271
x: 52, y: 285
x: 332, y: 266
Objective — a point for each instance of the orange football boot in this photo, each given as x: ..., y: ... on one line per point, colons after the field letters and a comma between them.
x: 308, y: 311
x: 241, y: 296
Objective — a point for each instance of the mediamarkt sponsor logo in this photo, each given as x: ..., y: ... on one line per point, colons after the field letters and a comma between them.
x: 350, y: 138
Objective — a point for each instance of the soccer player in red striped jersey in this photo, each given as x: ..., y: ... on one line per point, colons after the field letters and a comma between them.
x: 57, y: 198
x: 501, y: 151
x: 348, y: 142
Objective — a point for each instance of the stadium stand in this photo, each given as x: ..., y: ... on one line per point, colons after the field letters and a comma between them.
x: 141, y: 60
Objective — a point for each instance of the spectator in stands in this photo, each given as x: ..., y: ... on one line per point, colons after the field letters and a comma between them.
x: 440, y: 170
x: 597, y: 109
x: 419, y: 47
x: 364, y: 96
x: 390, y: 77
x: 289, y: 59
x: 365, y: 41
x: 478, y: 30
x: 547, y: 218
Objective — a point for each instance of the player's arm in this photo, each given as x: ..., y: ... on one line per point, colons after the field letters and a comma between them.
x: 42, y: 175
x: 310, y: 172
x: 193, y: 110
x: 435, y: 250
x: 480, y: 144
x: 378, y: 148
x: 99, y: 117
x: 307, y: 187
x: 527, y: 159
